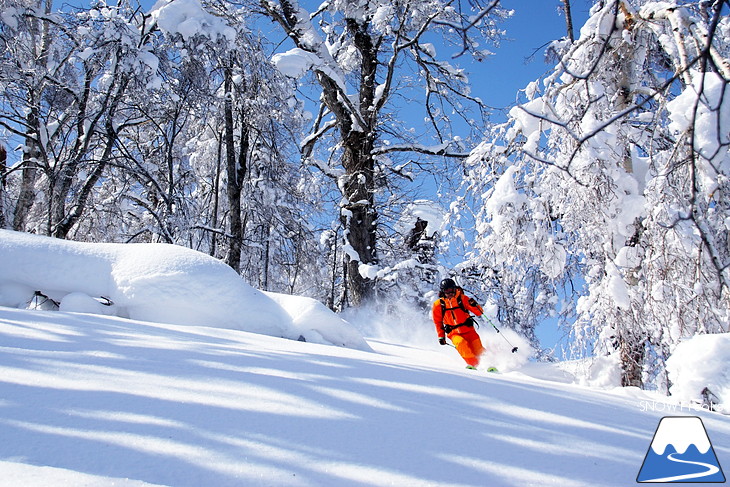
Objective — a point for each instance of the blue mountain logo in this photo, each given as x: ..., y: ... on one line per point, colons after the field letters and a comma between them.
x: 681, y: 452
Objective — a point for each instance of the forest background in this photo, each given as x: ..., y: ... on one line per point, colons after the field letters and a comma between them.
x: 343, y: 151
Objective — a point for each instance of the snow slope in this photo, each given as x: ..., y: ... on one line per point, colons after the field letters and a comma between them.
x: 193, y: 378
x: 88, y: 400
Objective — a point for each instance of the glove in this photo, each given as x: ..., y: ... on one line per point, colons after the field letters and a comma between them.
x: 442, y: 341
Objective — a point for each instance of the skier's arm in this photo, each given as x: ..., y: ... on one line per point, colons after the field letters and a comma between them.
x: 438, y: 320
x: 472, y: 305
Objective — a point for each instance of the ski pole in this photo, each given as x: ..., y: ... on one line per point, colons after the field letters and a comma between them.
x: 514, y: 349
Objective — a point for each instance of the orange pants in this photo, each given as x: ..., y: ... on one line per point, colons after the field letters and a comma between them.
x: 468, y: 344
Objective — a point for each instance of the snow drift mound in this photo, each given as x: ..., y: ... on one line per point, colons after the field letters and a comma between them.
x: 151, y: 282
x: 318, y: 324
x: 702, y: 362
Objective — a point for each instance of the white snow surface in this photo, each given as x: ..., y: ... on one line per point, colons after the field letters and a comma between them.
x: 295, y: 63
x: 706, y: 104
x: 90, y: 400
x: 96, y: 400
x: 159, y: 283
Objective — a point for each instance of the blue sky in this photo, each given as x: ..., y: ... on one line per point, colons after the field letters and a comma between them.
x: 534, y: 23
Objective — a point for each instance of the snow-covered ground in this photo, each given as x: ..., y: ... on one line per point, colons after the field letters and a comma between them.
x: 88, y: 399
x: 94, y: 401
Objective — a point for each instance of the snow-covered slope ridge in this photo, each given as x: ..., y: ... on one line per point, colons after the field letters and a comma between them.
x: 155, y: 282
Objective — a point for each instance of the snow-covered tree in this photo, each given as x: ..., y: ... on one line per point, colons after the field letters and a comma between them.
x: 225, y: 118
x: 372, y: 62
x: 413, y: 248
x: 170, y: 125
x: 64, y: 77
x: 615, y: 171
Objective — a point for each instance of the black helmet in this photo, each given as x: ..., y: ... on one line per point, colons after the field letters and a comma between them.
x: 447, y: 284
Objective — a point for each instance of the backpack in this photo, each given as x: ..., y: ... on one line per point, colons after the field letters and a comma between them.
x: 460, y: 302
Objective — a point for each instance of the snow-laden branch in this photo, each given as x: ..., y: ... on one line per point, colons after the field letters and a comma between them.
x: 311, y: 53
x: 307, y: 144
x: 463, y: 30
x: 434, y: 150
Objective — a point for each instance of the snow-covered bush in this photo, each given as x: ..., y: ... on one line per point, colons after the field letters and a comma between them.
x: 699, y: 370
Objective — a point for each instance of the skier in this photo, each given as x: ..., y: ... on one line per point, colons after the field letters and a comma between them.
x: 451, y: 315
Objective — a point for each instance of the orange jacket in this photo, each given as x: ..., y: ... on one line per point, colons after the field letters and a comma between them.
x: 448, y: 311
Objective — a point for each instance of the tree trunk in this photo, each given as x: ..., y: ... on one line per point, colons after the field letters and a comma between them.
x: 632, y: 362
x: 216, y: 199
x: 359, y: 216
x: 236, y: 170
x: 568, y: 20
x: 266, y: 241
x: 233, y: 186
x: 32, y: 152
x: 29, y: 173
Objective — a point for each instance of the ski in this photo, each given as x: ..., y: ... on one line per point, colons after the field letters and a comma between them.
x: 489, y: 369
